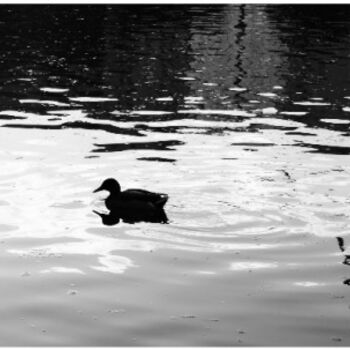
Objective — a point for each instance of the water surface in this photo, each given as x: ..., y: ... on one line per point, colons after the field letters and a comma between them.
x: 239, y: 112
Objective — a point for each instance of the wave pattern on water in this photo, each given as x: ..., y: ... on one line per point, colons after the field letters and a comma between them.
x: 240, y: 113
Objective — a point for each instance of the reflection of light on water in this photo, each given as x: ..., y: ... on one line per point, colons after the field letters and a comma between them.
x: 309, y: 103
x: 109, y: 262
x: 258, y: 209
x: 101, y: 247
x: 186, y: 78
x: 294, y: 113
x: 205, y: 272
x: 54, y: 90
x: 62, y: 269
x: 164, y: 99
x: 28, y: 118
x: 278, y: 122
x: 45, y: 102
x: 267, y: 94
x: 19, y: 114
x: 92, y: 99
x: 335, y: 121
x: 243, y: 246
x: 234, y: 112
x: 237, y: 89
x: 248, y: 265
x: 143, y: 112
x: 309, y: 284
x: 114, y: 264
x: 269, y: 110
x: 194, y: 99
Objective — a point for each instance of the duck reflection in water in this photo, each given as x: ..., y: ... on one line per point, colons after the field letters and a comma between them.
x: 131, y: 206
x: 130, y: 217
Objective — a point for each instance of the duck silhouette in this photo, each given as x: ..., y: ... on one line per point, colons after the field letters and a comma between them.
x: 131, y: 217
x: 132, y: 200
x: 108, y: 219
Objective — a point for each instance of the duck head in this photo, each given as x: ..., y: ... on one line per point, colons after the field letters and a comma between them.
x: 110, y: 185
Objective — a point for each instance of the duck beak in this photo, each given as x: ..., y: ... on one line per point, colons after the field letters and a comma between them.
x: 96, y: 212
x: 98, y: 189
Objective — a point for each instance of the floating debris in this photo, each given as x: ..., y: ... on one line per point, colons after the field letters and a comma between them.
x: 337, y: 339
x: 286, y: 173
x: 338, y: 296
x: 72, y: 292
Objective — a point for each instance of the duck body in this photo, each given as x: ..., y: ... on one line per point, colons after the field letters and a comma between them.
x: 131, y: 200
x: 135, y: 199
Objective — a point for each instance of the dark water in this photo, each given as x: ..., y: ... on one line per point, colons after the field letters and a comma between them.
x: 240, y: 113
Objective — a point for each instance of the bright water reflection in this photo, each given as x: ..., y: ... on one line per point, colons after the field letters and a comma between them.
x: 240, y: 113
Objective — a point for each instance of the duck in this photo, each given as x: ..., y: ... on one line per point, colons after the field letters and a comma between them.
x: 132, y: 200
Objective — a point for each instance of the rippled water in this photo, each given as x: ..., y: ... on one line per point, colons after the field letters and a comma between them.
x: 240, y: 113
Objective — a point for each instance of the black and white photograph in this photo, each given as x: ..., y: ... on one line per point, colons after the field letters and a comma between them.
x: 175, y: 174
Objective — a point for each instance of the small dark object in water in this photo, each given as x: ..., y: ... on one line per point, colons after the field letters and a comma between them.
x: 133, y: 200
